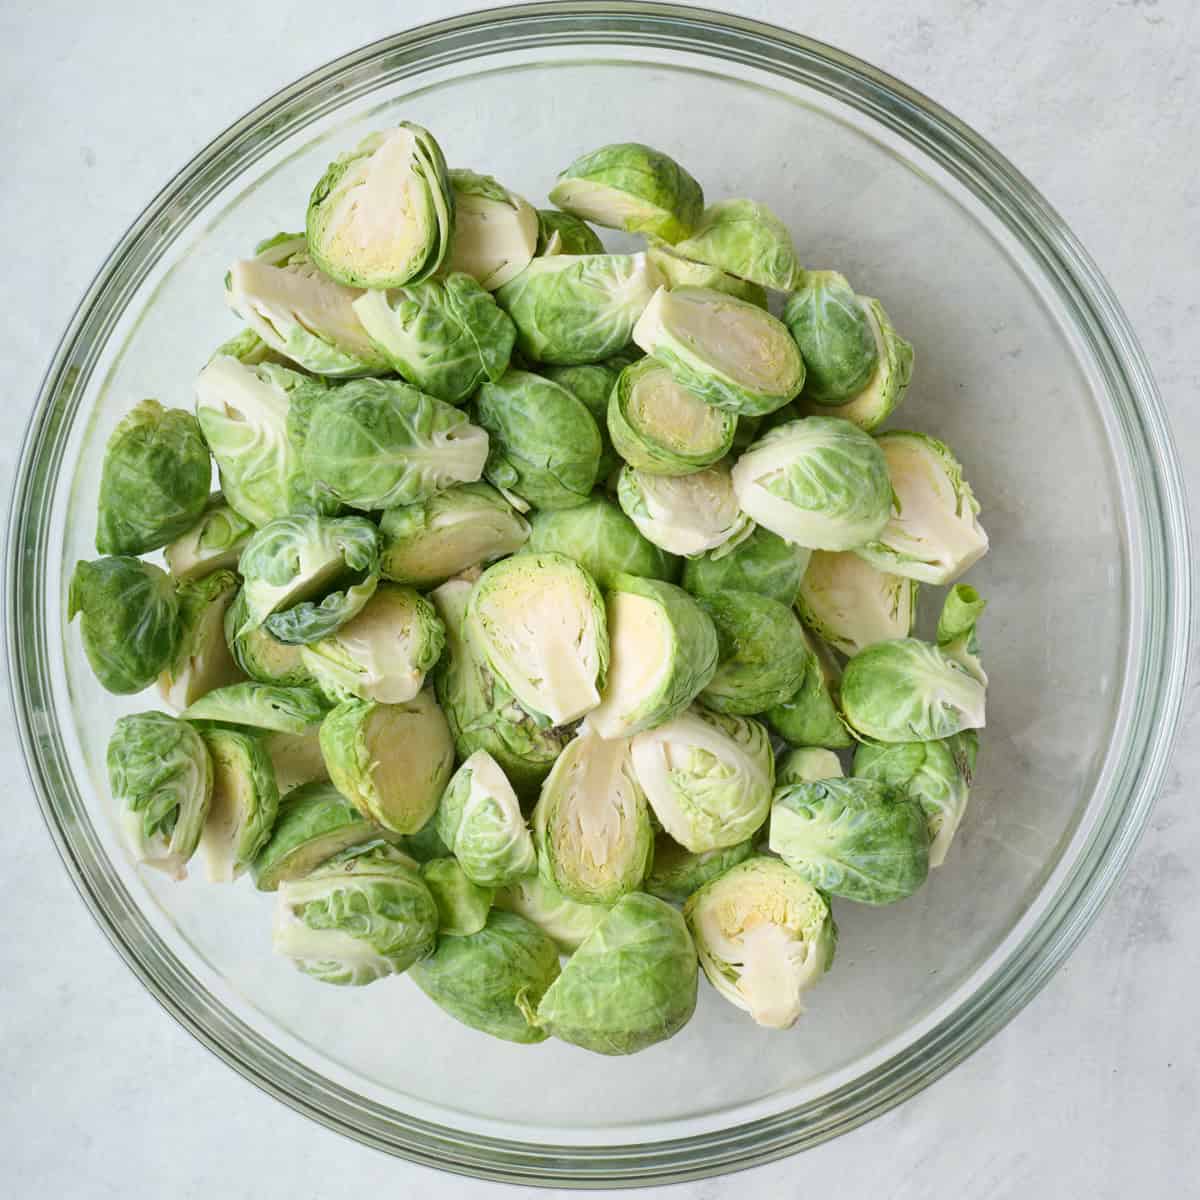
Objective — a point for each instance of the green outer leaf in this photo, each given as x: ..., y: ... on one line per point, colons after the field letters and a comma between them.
x: 763, y: 563
x: 574, y: 235
x: 747, y: 240
x: 677, y: 872
x: 261, y: 706
x: 835, y: 337
x: 960, y: 613
x: 462, y: 905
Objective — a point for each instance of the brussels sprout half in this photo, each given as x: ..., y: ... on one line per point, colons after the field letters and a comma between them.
x: 850, y: 604
x: 680, y: 272
x: 678, y: 872
x: 462, y: 905
x: 685, y: 514
x: 297, y: 758
x: 592, y: 384
x: 807, y: 764
x: 834, y: 333
x: 245, y: 801
x: 562, y: 233
x: 747, y: 240
x: 203, y: 661
x: 565, y: 921
x: 259, y: 653
x: 214, y: 543
x: 495, y: 230
x: 762, y: 563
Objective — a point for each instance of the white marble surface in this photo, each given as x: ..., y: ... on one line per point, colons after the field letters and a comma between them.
x: 1092, y: 1091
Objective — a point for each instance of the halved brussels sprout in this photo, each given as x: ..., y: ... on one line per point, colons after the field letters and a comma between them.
x: 708, y: 778
x: 392, y: 761
x: 426, y: 844
x: 494, y: 979
x: 631, y: 187
x: 937, y: 775
x: 259, y: 653
x: 154, y: 482
x: 578, y: 308
x: 245, y: 800
x: 764, y: 937
x: 129, y: 621
x: 383, y: 213
x: 807, y: 764
x: 261, y: 706
x: 819, y: 482
x: 562, y: 233
x: 631, y: 984
x: 356, y: 919
x: 495, y: 230
x: 732, y: 354
x: 300, y: 311
x: 663, y: 653
x: 933, y: 534
x: 677, y: 872
x: 161, y: 778
x: 850, y: 604
x: 462, y: 905
x: 203, y: 661
x: 680, y: 272
x: 565, y: 921
x: 427, y: 543
x: 854, y: 838
x: 811, y: 716
x: 544, y: 446
x: 745, y: 239
x: 832, y: 329
x: 685, y: 514
x: 538, y: 622
x: 763, y: 563
x: 381, y: 654
x: 297, y: 758
x: 591, y: 824
x: 445, y: 336
x: 658, y: 426
x: 479, y: 818
x: 763, y: 657
x: 287, y: 564
x: 314, y: 823
x: 602, y: 539
x: 214, y: 543
x: 592, y: 384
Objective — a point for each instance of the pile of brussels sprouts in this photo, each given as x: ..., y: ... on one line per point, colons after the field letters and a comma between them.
x: 507, y: 652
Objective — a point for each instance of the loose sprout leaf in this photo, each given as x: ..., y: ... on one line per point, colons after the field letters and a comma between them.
x: 261, y: 706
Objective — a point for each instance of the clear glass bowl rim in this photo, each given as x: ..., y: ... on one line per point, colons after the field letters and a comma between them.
x: 1160, y: 641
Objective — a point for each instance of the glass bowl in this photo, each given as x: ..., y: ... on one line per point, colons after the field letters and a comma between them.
x: 1025, y: 365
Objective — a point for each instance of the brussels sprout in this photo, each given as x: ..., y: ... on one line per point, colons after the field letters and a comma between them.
x: 293, y: 560
x: 129, y: 620
x: 376, y: 443
x: 297, y: 758
x: 481, y: 711
x: 808, y: 764
x: 763, y: 563
x: 261, y: 706
x: 381, y: 654
x: 203, y: 661
x: 462, y: 906
x: 937, y: 775
x: 243, y: 412
x: 811, y: 716
x: 592, y: 384
x: 259, y: 653
x: 383, y: 213
x: 632, y: 983
x: 602, y: 539
x: 214, y: 543
x: 154, y: 482
x: 356, y: 919
x: 562, y: 233
x: 854, y: 838
x: 578, y: 308
x: 495, y: 230
x: 732, y: 354
x: 544, y: 446
x: 819, y: 482
x: 685, y: 514
x: 479, y: 818
x: 658, y: 426
x: 566, y: 922
x: 763, y: 657
x: 846, y: 602
x: 677, y: 872
x: 391, y: 760
x: 680, y: 272
x: 663, y: 649
x: 426, y: 844
x: 494, y: 979
x: 537, y: 621
x: 161, y: 778
x: 445, y: 336
x: 708, y: 778
x: 933, y: 534
x: 245, y: 800
x: 764, y: 937
x: 300, y: 312
x: 592, y: 828
x: 832, y: 329
x: 631, y: 187
x: 745, y: 239
x: 425, y: 544
x: 314, y: 823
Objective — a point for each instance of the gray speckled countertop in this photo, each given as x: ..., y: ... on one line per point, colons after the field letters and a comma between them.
x: 1097, y: 101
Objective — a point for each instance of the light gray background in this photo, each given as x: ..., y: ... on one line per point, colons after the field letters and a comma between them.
x: 1093, y: 1090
